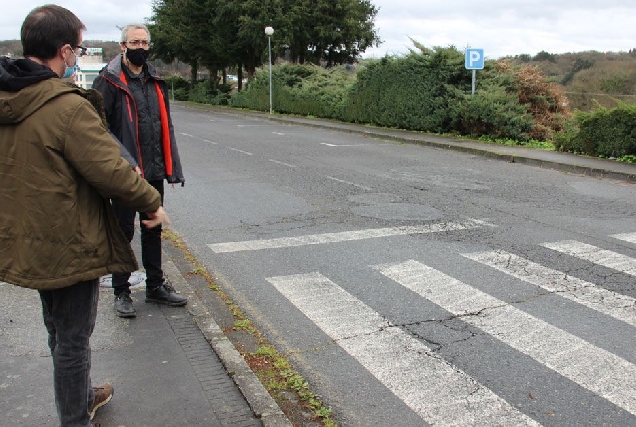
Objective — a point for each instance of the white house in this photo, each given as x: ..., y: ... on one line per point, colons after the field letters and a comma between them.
x: 89, y: 67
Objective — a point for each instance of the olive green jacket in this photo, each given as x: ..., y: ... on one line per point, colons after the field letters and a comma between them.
x: 59, y: 167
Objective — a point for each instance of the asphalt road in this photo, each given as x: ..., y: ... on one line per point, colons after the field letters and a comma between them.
x: 413, y: 285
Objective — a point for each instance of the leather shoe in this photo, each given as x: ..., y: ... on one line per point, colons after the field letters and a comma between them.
x: 166, y: 295
x: 124, y: 306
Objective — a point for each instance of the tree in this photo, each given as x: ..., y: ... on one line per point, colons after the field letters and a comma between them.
x: 332, y: 31
x: 178, y: 29
x: 225, y: 33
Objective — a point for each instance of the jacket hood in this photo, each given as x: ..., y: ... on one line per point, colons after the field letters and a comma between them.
x: 16, y: 74
x: 24, y: 87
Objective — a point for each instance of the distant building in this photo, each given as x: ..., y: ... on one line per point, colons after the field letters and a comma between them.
x: 89, y: 67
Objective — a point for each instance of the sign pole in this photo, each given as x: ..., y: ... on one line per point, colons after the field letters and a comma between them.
x: 474, y: 61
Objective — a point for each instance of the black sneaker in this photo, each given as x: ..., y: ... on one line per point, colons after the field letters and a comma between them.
x: 124, y: 305
x: 166, y: 295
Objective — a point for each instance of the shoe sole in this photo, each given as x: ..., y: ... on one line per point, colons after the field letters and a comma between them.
x: 126, y: 315
x: 99, y: 405
x: 170, y: 304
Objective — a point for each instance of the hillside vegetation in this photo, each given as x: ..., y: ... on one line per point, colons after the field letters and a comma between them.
x: 429, y: 90
x: 582, y: 103
x: 589, y: 77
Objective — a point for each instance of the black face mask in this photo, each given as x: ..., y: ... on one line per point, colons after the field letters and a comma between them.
x: 137, y: 57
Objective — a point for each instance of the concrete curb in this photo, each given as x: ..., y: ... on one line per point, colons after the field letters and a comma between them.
x: 262, y: 404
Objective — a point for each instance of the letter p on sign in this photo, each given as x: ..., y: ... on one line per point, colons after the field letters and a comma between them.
x: 474, y: 59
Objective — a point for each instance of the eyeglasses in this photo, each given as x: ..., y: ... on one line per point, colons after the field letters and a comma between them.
x: 81, y: 52
x: 135, y: 43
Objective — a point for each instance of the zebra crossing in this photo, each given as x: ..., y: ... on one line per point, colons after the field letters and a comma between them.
x: 431, y: 386
x: 450, y: 397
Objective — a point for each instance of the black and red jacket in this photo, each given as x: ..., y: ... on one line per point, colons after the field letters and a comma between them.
x: 154, y: 151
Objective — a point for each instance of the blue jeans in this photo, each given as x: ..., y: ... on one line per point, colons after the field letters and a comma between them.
x: 69, y: 316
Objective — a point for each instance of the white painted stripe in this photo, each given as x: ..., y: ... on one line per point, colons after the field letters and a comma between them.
x: 440, y: 393
x: 599, y: 256
x: 341, y: 145
x: 598, y: 370
x: 628, y: 237
x: 241, y: 151
x: 282, y: 163
x: 186, y: 134
x: 345, y: 236
x: 618, y: 306
x: 349, y: 183
x: 210, y: 142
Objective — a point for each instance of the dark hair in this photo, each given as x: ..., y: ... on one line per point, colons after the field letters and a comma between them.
x: 47, y: 28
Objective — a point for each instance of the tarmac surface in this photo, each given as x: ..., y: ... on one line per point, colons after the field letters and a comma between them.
x: 175, y: 366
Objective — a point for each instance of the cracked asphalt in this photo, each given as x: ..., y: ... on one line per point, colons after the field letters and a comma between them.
x: 304, y: 228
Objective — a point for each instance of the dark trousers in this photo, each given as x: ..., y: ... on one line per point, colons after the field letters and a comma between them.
x: 69, y: 316
x: 150, y: 245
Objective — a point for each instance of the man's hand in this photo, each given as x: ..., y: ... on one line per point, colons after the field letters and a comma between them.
x: 137, y: 169
x: 158, y: 217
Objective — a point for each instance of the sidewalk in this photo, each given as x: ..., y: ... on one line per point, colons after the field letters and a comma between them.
x: 566, y: 162
x: 164, y: 371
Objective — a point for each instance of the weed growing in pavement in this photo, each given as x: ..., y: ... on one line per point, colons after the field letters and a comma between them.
x: 244, y: 325
x: 629, y: 158
x: 197, y: 271
x: 272, y: 368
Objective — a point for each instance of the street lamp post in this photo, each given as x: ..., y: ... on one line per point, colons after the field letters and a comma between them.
x: 269, y: 31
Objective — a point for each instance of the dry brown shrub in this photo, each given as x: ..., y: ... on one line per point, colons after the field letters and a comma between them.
x: 545, y: 101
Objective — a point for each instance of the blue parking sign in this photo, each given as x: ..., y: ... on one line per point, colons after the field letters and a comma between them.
x: 474, y: 59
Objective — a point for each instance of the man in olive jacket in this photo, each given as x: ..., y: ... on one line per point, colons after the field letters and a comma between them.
x: 59, y: 168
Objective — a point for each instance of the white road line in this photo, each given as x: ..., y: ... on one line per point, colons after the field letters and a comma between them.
x: 257, y: 125
x: 210, y: 142
x: 186, y: 134
x: 345, y: 236
x: 350, y: 183
x: 437, y: 391
x: 282, y: 163
x: 621, y: 307
x: 598, y: 370
x: 599, y: 256
x: 241, y: 151
x: 342, y: 145
x: 278, y: 133
x: 628, y: 237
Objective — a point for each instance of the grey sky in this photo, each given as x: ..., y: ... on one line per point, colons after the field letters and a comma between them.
x: 500, y: 27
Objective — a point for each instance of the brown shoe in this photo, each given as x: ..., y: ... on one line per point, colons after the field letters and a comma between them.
x: 103, y: 394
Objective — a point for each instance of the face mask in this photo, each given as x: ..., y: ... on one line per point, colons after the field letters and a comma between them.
x: 137, y: 57
x: 70, y: 70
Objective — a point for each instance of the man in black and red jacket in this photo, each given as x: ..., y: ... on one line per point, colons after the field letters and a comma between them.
x: 138, y: 114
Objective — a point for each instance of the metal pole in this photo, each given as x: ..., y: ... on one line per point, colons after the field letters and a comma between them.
x: 474, y: 79
x: 269, y: 45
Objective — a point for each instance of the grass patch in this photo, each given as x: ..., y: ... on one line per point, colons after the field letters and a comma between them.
x: 271, y: 367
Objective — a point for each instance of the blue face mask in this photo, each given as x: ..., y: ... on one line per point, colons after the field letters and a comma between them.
x: 70, y: 70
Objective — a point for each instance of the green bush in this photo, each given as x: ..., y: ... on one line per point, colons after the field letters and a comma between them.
x: 179, y: 85
x: 603, y: 132
x: 427, y: 90
x: 298, y: 89
x: 493, y: 113
x: 412, y: 92
x: 210, y: 92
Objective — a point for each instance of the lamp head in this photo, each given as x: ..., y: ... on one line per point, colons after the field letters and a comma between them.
x: 269, y: 31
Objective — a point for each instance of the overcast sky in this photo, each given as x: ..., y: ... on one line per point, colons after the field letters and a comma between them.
x: 500, y: 27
